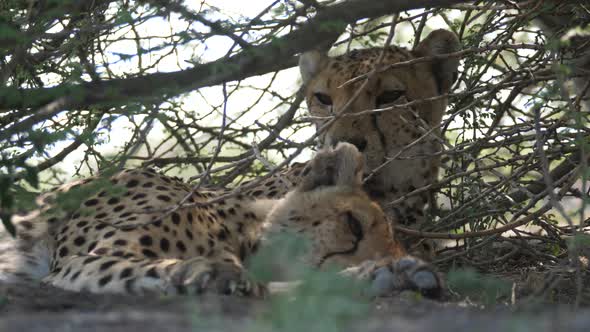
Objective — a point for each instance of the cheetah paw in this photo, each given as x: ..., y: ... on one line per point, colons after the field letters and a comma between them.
x: 389, y: 277
x: 197, y: 277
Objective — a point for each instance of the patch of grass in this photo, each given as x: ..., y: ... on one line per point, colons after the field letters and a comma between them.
x: 579, y: 241
x: 484, y: 288
x: 324, y: 301
x: 281, y: 258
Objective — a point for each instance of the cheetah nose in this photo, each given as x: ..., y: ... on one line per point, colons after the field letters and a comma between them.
x: 360, y: 143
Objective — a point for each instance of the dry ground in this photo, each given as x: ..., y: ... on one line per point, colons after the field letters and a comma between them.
x: 41, y: 308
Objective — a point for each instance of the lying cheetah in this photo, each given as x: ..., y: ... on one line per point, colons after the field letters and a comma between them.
x: 131, y: 242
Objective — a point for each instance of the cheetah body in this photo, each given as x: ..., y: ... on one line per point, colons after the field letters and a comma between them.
x: 157, y: 234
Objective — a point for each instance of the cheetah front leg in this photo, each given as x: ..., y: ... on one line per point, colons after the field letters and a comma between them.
x: 116, y: 275
x: 386, y: 277
x: 390, y: 276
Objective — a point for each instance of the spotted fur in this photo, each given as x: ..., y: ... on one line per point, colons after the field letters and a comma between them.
x: 138, y: 239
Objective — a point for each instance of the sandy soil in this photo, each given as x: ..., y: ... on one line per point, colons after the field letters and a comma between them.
x: 41, y: 308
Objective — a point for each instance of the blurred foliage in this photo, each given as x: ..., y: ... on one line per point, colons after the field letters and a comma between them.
x: 478, y: 287
x: 323, y: 301
x: 579, y: 241
x: 269, y: 262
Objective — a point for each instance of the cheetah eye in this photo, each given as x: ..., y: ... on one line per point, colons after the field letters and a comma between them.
x: 323, y: 98
x: 354, y: 225
x: 389, y: 96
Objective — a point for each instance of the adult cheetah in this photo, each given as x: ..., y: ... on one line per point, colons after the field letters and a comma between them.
x: 142, y: 240
x: 401, y: 145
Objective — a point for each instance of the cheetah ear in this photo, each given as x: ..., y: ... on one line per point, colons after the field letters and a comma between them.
x: 310, y: 63
x: 350, y: 165
x: 445, y: 70
x: 342, y: 166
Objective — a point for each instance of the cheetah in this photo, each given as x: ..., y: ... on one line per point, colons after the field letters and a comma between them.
x: 393, y: 170
x: 157, y: 235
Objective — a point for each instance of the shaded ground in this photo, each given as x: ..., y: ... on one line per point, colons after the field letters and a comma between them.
x: 40, y: 308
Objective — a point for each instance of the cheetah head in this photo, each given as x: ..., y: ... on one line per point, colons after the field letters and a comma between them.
x: 333, y: 212
x: 380, y: 135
